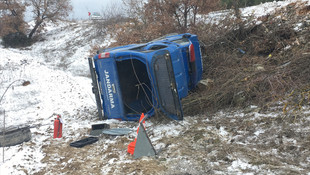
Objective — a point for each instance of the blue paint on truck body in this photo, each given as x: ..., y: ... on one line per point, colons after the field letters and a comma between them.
x: 139, y: 78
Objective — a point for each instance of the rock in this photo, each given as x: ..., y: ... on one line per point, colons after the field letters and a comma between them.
x: 26, y: 83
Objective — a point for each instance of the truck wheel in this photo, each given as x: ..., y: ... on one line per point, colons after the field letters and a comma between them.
x: 14, y: 135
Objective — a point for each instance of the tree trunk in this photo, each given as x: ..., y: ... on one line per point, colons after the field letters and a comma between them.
x: 185, y: 17
x: 178, y: 19
x: 195, y: 12
x: 35, y: 28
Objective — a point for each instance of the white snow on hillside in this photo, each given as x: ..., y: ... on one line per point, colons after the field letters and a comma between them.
x: 51, y: 67
x: 57, y: 69
x: 253, y: 11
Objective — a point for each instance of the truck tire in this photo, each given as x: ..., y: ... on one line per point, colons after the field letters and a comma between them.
x: 14, y: 135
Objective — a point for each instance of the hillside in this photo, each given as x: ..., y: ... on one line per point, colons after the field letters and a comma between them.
x: 251, y: 139
x: 258, y: 59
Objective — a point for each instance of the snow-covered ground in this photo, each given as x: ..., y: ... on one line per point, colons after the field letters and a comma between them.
x: 253, y: 11
x: 53, y: 89
x: 57, y: 69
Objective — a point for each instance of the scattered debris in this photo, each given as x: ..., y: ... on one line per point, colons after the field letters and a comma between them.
x: 241, y: 51
x: 14, y: 135
x: 207, y: 82
x: 84, y: 142
x: 98, y: 128
x: 117, y: 131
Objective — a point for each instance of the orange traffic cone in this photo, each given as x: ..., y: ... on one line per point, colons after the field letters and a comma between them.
x: 132, y: 145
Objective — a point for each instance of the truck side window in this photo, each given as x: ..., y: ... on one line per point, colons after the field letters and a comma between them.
x: 157, y: 47
x: 182, y: 41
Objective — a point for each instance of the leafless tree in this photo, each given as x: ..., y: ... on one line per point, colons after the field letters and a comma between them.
x: 112, y: 15
x: 135, y: 9
x: 12, y: 16
x: 52, y: 10
x: 181, y: 13
x: 153, y: 18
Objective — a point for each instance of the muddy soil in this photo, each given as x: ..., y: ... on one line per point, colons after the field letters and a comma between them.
x: 228, y: 142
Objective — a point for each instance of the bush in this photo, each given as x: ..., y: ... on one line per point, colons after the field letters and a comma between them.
x: 258, y: 66
x: 17, y: 39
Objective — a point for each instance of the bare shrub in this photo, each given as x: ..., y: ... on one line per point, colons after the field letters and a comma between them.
x: 48, y: 10
x: 112, y: 17
x: 259, y: 66
x: 157, y: 18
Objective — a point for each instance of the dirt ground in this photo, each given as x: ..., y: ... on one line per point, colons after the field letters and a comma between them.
x: 249, y: 141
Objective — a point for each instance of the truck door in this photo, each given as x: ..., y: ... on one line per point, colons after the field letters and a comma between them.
x: 109, y: 87
x: 169, y: 101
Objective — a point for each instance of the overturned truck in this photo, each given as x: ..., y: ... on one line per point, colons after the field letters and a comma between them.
x: 140, y: 78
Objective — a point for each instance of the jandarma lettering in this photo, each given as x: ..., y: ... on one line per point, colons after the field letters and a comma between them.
x: 109, y: 87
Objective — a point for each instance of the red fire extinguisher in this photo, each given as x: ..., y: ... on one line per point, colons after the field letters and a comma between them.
x: 58, y: 127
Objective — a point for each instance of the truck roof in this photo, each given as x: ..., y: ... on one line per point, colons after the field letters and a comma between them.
x: 152, y: 45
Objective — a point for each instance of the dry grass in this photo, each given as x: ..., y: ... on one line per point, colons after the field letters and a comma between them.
x: 259, y: 65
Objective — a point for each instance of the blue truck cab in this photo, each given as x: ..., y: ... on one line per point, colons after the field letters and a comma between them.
x: 141, y: 78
